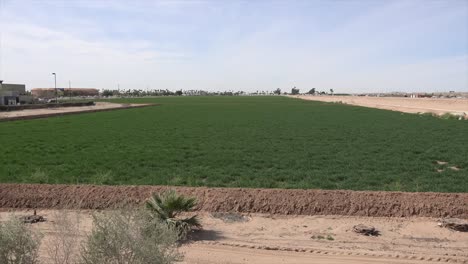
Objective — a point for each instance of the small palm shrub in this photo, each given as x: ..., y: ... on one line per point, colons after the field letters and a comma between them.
x: 168, y: 206
x: 18, y: 243
x: 123, y: 237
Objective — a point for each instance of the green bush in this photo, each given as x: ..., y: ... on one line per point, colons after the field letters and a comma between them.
x: 166, y: 207
x: 18, y: 243
x: 123, y: 237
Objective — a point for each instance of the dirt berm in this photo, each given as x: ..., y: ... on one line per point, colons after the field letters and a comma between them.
x: 42, y: 112
x: 245, y: 200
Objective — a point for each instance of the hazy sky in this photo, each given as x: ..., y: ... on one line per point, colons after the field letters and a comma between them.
x: 350, y: 46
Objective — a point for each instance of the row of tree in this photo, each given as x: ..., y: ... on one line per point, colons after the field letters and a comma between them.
x: 138, y: 93
x: 312, y: 91
x: 295, y: 91
x: 141, y: 93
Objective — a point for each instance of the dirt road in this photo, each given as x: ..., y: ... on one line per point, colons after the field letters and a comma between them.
x: 46, y: 112
x: 323, y: 239
x: 235, y: 238
x: 401, y: 104
x: 201, y: 254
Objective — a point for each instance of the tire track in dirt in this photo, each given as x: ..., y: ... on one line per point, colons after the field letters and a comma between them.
x: 336, y: 252
x: 245, y: 200
x: 314, y: 255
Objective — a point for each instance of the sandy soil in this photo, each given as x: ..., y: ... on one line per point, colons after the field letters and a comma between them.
x: 99, y: 106
x: 257, y: 238
x: 401, y: 104
x: 245, y: 200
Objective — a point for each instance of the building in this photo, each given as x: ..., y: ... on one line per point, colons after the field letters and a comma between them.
x: 13, y: 94
x: 51, y: 92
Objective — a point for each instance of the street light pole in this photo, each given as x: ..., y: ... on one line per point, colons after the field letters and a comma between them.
x: 55, y: 80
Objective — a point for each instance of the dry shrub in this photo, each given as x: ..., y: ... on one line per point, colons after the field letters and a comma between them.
x: 63, y: 247
x: 18, y: 243
x: 125, y: 237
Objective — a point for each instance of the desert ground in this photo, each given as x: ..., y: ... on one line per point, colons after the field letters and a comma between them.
x: 272, y: 225
x: 402, y: 104
x: 46, y: 112
x: 260, y: 238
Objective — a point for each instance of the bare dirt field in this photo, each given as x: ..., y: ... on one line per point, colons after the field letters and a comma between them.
x: 47, y: 112
x: 259, y: 238
x: 401, y: 104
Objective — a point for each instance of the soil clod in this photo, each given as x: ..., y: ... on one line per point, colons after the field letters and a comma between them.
x: 32, y: 219
x: 454, y: 224
x: 366, y: 230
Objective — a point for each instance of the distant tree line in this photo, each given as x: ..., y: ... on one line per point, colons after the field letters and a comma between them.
x: 313, y: 91
x: 166, y: 92
x: 141, y: 93
x: 136, y: 93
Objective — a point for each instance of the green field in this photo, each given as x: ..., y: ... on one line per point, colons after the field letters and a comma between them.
x: 273, y: 142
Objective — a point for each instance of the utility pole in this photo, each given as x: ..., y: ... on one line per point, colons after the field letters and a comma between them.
x: 69, y: 90
x: 56, y: 94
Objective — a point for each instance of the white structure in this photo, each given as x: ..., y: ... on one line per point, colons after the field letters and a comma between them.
x: 13, y: 94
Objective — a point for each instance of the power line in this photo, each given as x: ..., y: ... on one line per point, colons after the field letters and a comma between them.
x: 1, y: 26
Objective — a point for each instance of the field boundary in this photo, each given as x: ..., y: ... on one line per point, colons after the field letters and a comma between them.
x: 10, y: 108
x: 16, y: 118
x: 243, y: 200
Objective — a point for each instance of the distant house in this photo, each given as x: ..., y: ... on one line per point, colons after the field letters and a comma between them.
x: 13, y: 94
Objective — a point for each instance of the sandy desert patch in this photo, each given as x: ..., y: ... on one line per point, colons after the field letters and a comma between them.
x: 260, y: 238
x: 437, y: 106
